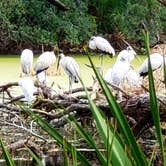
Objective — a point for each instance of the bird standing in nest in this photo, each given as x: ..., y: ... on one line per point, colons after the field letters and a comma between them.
x: 157, y: 62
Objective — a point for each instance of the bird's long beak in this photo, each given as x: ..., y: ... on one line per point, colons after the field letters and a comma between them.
x: 59, y: 57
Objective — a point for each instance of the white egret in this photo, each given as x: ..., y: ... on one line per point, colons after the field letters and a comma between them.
x: 71, y: 68
x: 26, y: 61
x: 28, y: 88
x: 44, y: 61
x: 156, y: 60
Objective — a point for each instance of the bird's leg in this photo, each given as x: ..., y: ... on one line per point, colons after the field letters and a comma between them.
x: 45, y: 76
x: 119, y: 95
x: 70, y: 85
x: 101, y: 62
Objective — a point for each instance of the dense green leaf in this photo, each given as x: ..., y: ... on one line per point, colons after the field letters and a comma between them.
x: 122, y: 122
x: 87, y: 136
x: 153, y: 100
x: 119, y: 156
x: 6, y: 154
x: 35, y: 157
x: 56, y: 135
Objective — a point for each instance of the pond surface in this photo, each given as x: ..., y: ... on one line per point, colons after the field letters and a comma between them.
x: 10, y: 69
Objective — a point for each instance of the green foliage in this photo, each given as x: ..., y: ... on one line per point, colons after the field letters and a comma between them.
x: 153, y: 101
x: 6, y: 154
x: 40, y: 22
x: 129, y: 17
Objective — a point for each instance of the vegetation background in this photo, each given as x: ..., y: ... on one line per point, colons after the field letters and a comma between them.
x: 70, y: 23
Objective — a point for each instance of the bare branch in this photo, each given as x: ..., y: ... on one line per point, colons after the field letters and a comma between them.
x: 58, y: 4
x: 25, y: 129
x: 163, y: 2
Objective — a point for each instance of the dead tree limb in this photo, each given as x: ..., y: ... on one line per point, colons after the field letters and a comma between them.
x: 59, y: 4
x: 163, y: 2
x: 56, y: 107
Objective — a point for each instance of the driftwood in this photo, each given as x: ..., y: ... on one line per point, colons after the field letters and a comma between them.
x: 136, y: 108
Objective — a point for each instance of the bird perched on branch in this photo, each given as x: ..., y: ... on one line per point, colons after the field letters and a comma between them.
x: 118, y: 72
x: 28, y: 88
x: 71, y: 68
x: 157, y: 63
x: 102, y: 45
x: 26, y: 61
x: 121, y: 66
x: 44, y: 61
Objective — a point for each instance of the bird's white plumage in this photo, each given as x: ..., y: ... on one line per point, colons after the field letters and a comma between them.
x: 128, y: 53
x: 26, y: 61
x: 133, y: 78
x: 42, y: 77
x: 44, y: 61
x: 70, y: 66
x: 98, y: 42
x: 107, y: 76
x: 156, y: 60
x: 119, y: 70
x: 27, y: 85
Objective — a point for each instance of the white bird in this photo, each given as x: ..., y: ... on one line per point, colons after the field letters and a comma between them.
x: 42, y: 78
x: 117, y: 73
x: 119, y: 69
x: 102, y: 45
x: 98, y: 42
x: 128, y: 53
x: 156, y: 60
x: 107, y: 76
x: 28, y: 88
x: 133, y: 78
x: 26, y: 61
x: 71, y: 68
x: 44, y: 61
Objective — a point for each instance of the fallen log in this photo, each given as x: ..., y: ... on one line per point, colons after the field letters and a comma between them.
x: 56, y: 107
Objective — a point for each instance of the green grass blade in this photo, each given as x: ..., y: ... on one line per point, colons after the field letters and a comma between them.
x: 122, y: 122
x: 110, y: 146
x: 35, y: 157
x: 6, y: 154
x: 152, y: 156
x: 56, y: 135
x: 119, y: 156
x: 164, y: 70
x: 87, y: 136
x: 153, y: 100
x: 65, y: 156
x: 74, y: 156
x: 74, y: 152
